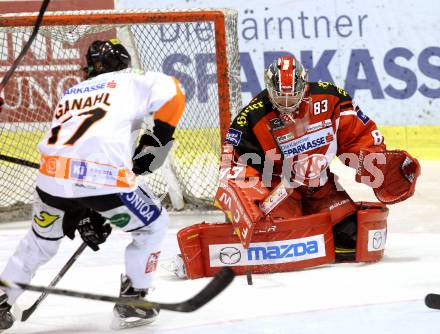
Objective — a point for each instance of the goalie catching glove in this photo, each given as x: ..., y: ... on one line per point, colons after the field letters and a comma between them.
x: 391, y: 174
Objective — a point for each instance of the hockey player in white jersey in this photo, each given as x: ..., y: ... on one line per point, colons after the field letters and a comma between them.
x: 87, y: 177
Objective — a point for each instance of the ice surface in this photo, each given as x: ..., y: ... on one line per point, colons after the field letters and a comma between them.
x: 385, y: 297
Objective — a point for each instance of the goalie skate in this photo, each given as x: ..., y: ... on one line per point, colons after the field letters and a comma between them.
x: 125, y: 316
x: 6, y: 317
x: 176, y: 267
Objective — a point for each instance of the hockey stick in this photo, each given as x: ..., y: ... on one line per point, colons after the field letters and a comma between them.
x: 211, y: 290
x: 28, y: 312
x: 27, y: 45
x: 432, y: 300
x: 19, y: 161
x: 11, y: 71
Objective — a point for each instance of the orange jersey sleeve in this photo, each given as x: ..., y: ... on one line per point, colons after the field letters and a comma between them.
x: 171, y: 111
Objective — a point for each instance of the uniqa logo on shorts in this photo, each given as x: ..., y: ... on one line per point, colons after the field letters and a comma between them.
x: 141, y: 205
x: 144, y: 208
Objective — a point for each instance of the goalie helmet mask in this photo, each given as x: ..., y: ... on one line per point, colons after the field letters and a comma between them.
x: 106, y: 56
x: 286, y: 83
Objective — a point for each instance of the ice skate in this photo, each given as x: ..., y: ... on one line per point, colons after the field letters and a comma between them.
x: 6, y: 317
x: 129, y: 316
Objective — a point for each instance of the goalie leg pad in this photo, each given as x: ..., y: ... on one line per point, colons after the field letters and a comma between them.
x: 371, y: 232
x: 281, y: 245
x: 189, y: 240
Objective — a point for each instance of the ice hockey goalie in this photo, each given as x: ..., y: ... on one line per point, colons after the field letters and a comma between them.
x: 284, y: 208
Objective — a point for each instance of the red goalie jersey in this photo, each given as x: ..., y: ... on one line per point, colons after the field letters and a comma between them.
x: 263, y: 148
x: 326, y: 125
x: 276, y: 188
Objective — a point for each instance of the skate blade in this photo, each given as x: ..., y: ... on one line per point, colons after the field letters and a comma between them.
x: 119, y: 323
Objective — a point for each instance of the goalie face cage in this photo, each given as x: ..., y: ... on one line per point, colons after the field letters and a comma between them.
x: 198, y: 47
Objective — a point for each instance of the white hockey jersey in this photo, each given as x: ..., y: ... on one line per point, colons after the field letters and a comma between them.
x: 89, y: 149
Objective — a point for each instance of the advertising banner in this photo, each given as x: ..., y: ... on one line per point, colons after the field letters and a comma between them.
x: 386, y: 54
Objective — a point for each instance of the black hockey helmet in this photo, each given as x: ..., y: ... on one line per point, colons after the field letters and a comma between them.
x: 106, y: 56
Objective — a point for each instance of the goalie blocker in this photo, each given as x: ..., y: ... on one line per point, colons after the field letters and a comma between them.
x: 280, y: 244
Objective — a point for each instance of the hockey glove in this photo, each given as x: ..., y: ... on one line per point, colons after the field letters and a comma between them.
x: 92, y: 229
x: 153, y: 148
x: 149, y: 158
x: 396, y: 171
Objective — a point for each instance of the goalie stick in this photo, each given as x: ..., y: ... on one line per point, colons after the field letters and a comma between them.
x: 11, y: 71
x: 211, y: 290
x: 28, y: 312
x: 432, y: 300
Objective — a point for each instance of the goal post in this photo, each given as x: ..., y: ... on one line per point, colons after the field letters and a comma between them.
x: 199, y: 47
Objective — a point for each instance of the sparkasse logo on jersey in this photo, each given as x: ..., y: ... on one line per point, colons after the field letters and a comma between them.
x: 78, y: 89
x: 111, y: 84
x: 307, y: 143
x: 274, y: 252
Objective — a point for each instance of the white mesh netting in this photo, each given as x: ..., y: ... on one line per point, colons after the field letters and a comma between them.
x: 53, y: 64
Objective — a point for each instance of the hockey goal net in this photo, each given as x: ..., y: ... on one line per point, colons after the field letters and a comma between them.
x: 198, y: 47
